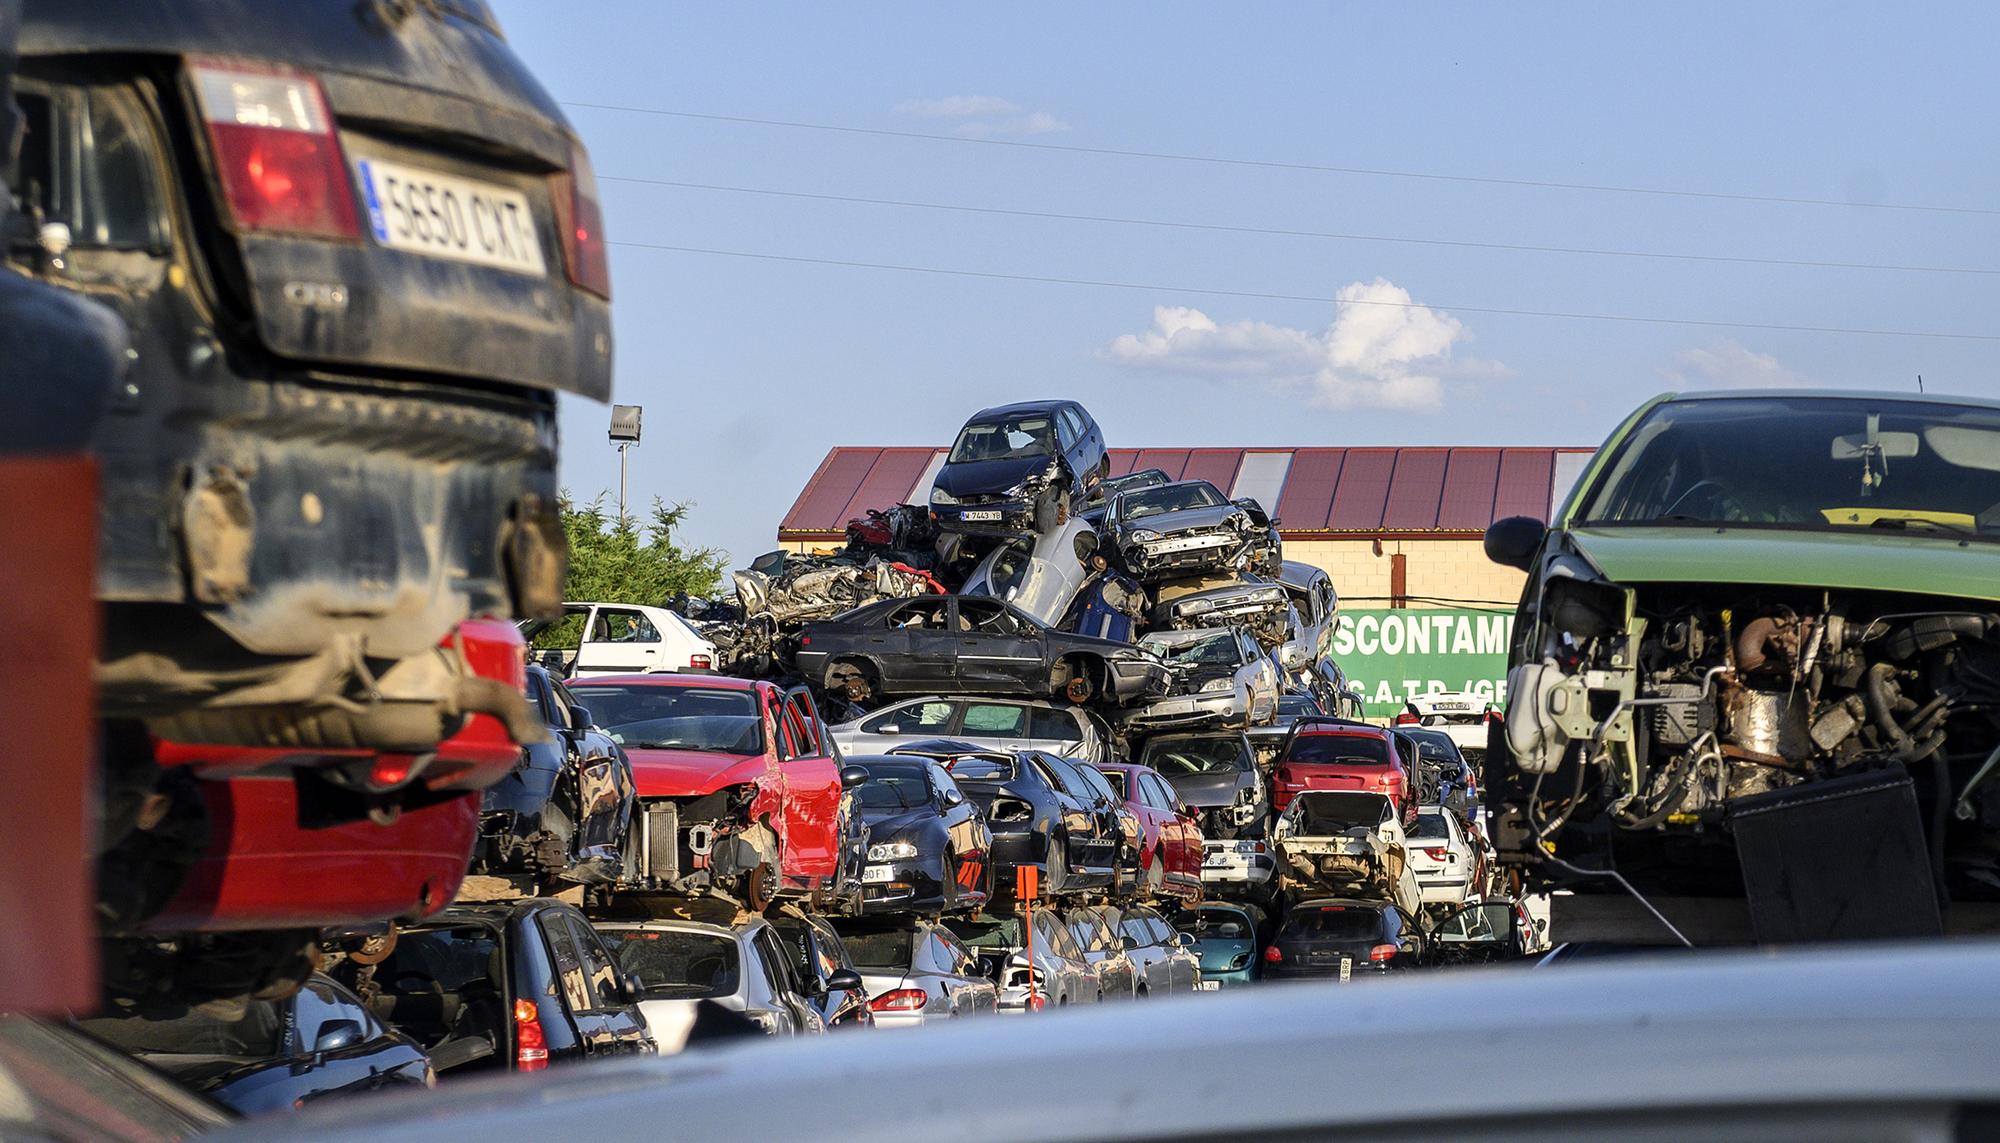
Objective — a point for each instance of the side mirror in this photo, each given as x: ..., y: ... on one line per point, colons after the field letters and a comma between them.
x: 1184, y: 940
x: 1128, y: 942
x: 953, y: 797
x: 579, y: 718
x: 337, y: 1034
x: 844, y: 980
x: 852, y: 776
x: 1513, y: 542
x: 631, y: 989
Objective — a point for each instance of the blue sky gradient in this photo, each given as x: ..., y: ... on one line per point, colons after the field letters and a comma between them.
x: 750, y: 370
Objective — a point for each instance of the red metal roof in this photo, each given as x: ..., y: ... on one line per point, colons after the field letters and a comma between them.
x: 1366, y: 491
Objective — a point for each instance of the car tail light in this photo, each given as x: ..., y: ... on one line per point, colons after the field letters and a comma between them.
x: 1437, y: 854
x: 1493, y: 716
x: 900, y: 1000
x: 1381, y: 953
x: 805, y: 640
x: 1407, y: 719
x: 1037, y: 1002
x: 581, y: 221
x: 531, y: 1052
x: 699, y: 662
x: 1272, y: 955
x: 276, y: 154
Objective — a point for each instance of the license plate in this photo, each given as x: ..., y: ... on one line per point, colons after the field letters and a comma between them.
x: 1207, y: 985
x: 1216, y: 863
x: 1346, y: 969
x: 980, y: 514
x: 874, y: 874
x: 445, y: 216
x: 1186, y: 544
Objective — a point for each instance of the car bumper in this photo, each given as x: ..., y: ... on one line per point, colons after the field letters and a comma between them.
x: 1233, y: 978
x: 1005, y: 518
x: 1224, y: 867
x: 1442, y: 890
x: 1225, y: 707
x: 912, y: 886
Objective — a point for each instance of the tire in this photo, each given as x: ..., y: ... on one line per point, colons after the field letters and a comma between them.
x: 1056, y: 867
x: 1155, y: 875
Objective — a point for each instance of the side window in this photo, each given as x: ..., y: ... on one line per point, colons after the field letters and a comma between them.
x: 804, y: 724
x: 538, y: 693
x: 986, y: 617
x: 615, y: 625
x: 952, y: 956
x: 1066, y: 428
x: 1054, y: 724
x: 565, y: 702
x: 87, y: 161
x: 600, y: 968
x: 922, y: 614
x: 1050, y: 774
x: 921, y: 719
x: 1001, y: 719
x: 777, y: 966
x: 570, y: 981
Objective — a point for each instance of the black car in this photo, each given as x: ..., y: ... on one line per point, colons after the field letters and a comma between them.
x: 510, y: 986
x: 928, y: 846
x: 824, y: 968
x: 1338, y: 938
x: 1018, y: 469
x: 1216, y: 773
x: 1444, y: 776
x: 274, y: 1055
x: 951, y: 644
x: 564, y: 813
x: 1042, y: 812
x: 1189, y: 527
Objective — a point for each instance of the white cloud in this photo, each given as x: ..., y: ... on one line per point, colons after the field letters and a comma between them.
x: 1728, y: 365
x: 1382, y: 350
x: 982, y: 116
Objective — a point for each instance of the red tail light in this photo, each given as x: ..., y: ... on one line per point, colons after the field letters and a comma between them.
x: 1380, y: 953
x: 1272, y: 955
x: 1407, y: 719
x: 276, y: 154
x: 900, y: 1000
x: 531, y: 1052
x: 581, y: 221
x: 1495, y: 716
x: 1037, y: 1002
x: 698, y: 662
x: 1437, y: 854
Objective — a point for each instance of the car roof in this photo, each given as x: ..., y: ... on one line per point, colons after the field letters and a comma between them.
x: 1870, y: 395
x: 1016, y: 409
x: 672, y: 679
x: 666, y: 926
x: 1707, y: 1027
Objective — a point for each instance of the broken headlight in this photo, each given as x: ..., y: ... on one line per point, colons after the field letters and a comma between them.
x: 940, y: 496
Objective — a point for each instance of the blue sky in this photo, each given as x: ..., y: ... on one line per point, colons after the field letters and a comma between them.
x: 749, y: 370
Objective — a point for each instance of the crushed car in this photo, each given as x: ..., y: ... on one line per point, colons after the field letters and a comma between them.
x: 1348, y: 842
x: 1758, y: 657
x: 1017, y: 470
x: 1223, y: 601
x: 565, y: 811
x: 1188, y: 527
x: 1219, y: 675
x: 1041, y: 576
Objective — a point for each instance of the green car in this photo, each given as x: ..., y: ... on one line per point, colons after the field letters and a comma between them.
x: 1755, y: 673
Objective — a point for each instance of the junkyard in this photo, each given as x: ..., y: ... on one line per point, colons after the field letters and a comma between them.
x: 1601, y: 757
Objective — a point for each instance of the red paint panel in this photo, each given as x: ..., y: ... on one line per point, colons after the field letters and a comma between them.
x: 1308, y: 496
x: 1523, y: 482
x: 1469, y: 485
x: 1168, y: 460
x: 1215, y: 465
x: 839, y: 477
x: 1362, y: 491
x: 1122, y: 460
x: 1416, y: 490
x: 894, y: 471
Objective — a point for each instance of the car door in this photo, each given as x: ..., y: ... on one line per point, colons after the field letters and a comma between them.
x: 624, y: 1028
x: 812, y: 791
x: 786, y: 987
x: 1055, y: 730
x: 1184, y: 844
x: 1004, y: 724
x: 1081, y: 826
x: 619, y: 640
x: 572, y: 981
x: 971, y: 993
x: 914, y: 645
x: 996, y: 650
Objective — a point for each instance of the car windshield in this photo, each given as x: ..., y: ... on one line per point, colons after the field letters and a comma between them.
x: 1339, y: 750
x: 1333, y: 922
x: 1213, y: 754
x: 896, y: 786
x: 1008, y: 438
x: 647, y: 716
x: 677, y: 965
x: 1815, y: 463
x: 1168, y: 498
x: 257, y: 1031
x: 1214, y: 649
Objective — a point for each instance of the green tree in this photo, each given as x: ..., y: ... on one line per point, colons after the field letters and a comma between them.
x: 613, y: 560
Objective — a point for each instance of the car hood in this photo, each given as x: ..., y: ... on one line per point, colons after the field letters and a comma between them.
x: 1205, y: 790
x: 685, y: 773
x: 1856, y: 560
x: 882, y: 823
x: 1212, y: 517
x: 975, y: 477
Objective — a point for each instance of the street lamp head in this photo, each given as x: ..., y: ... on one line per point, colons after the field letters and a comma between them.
x: 625, y: 423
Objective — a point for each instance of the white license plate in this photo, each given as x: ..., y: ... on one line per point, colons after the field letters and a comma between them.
x: 1346, y: 969
x: 980, y: 514
x: 876, y: 873
x: 445, y: 216
x: 1207, y: 985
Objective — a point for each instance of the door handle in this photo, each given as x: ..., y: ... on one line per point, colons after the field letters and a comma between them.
x: 651, y: 651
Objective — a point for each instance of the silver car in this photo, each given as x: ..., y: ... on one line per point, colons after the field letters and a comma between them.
x: 1096, y: 931
x: 1052, y: 972
x: 1042, y: 577
x: 745, y: 968
x: 1315, y: 613
x: 993, y: 724
x: 1163, y: 957
x: 1219, y: 675
x: 916, y: 971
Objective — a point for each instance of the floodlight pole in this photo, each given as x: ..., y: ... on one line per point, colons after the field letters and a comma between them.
x: 621, y: 482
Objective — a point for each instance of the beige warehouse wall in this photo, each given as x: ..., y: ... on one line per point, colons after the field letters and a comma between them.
x: 1439, y: 569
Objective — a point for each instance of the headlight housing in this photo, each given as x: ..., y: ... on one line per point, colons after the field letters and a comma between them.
x: 892, y: 851
x: 940, y: 496
x: 1145, y: 536
x: 1214, y: 686
x: 1197, y: 606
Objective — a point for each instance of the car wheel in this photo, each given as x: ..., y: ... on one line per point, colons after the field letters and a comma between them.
x: 761, y: 887
x: 1057, y: 866
x: 1156, y: 872
x: 850, y: 680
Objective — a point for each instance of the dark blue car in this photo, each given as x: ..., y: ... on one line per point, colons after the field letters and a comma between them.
x: 1017, y: 470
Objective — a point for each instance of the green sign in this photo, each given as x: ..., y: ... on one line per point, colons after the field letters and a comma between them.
x: 1394, y: 654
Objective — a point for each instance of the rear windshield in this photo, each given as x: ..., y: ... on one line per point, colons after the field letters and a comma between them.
x: 1182, y: 756
x: 676, y: 965
x: 982, y: 769
x: 988, y: 932
x: 1335, y: 923
x: 880, y: 948
x: 1219, y: 922
x: 651, y: 717
x: 451, y: 959
x: 896, y: 786
x: 1339, y: 750
x: 1430, y: 827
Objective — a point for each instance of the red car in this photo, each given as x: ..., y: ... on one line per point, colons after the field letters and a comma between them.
x: 741, y: 790
x: 1334, y: 754
x: 1170, y: 844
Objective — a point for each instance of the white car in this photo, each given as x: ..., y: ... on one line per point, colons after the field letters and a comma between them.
x: 1041, y: 579
x: 996, y: 724
x: 1460, y: 714
x: 631, y: 639
x: 1349, y: 842
x: 681, y: 963
x: 1238, y: 864
x: 1444, y: 859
